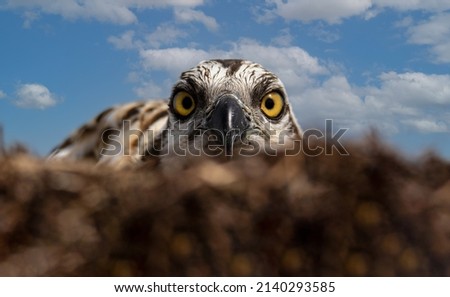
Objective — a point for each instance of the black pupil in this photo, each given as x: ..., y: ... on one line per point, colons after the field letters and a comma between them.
x: 187, y: 103
x: 269, y: 103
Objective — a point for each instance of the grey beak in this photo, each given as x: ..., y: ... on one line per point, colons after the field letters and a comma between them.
x: 228, y: 121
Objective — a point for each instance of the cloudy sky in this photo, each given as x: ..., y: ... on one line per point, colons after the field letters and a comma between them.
x: 363, y: 63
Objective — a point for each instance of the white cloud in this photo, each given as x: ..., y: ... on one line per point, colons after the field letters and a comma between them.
x: 428, y: 125
x: 2, y: 94
x: 34, y: 96
x: 334, y: 11
x: 283, y: 39
x: 30, y: 17
x: 294, y: 65
x: 165, y: 34
x: 372, y: 12
x: 415, y: 88
x: 150, y: 90
x: 415, y: 99
x: 188, y: 15
x: 263, y: 15
x: 124, y: 41
x: 323, y: 34
x: 437, y: 28
x: 172, y: 60
x: 333, y: 99
x: 402, y: 101
x: 405, y: 22
x: 434, y: 32
x: 404, y: 5
x: 114, y: 11
x: 278, y: 58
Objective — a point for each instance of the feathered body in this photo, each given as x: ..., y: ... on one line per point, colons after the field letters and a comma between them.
x: 215, y: 108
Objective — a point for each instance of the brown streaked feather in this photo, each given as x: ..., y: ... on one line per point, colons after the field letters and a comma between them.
x: 89, y: 140
x: 99, y: 117
x: 152, y: 114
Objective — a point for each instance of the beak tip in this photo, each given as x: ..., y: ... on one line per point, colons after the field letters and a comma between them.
x: 229, y: 120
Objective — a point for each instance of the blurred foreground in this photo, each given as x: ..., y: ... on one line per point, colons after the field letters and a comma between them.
x: 368, y: 214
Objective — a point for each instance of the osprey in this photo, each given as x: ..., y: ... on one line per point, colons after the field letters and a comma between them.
x: 219, y: 107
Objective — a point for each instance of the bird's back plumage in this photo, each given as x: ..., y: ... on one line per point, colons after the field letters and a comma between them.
x: 96, y: 138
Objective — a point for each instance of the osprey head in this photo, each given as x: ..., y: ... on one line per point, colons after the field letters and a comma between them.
x: 221, y: 106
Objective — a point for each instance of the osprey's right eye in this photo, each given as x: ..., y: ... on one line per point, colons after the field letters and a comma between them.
x: 272, y: 105
x: 183, y: 104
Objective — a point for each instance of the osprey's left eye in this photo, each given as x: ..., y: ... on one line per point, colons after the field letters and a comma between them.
x: 272, y: 105
x: 183, y: 104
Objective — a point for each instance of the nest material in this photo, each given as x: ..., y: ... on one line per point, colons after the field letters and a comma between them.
x: 367, y: 214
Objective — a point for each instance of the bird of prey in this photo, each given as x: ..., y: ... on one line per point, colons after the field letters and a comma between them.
x: 219, y: 107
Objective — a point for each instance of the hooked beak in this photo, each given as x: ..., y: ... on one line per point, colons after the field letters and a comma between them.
x: 228, y: 121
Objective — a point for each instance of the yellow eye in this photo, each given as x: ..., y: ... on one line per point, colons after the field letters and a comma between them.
x: 272, y: 104
x: 183, y: 104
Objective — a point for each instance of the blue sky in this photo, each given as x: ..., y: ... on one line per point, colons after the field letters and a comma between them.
x: 363, y: 63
